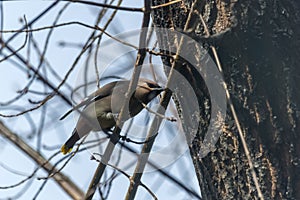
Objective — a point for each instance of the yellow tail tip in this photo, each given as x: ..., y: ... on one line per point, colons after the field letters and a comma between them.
x: 64, y: 149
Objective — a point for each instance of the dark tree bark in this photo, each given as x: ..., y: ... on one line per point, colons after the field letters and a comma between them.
x: 258, y: 44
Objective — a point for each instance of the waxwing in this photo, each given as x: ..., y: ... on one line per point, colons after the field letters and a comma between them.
x: 103, y: 106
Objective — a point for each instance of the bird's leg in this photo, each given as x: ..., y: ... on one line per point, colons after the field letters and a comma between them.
x: 127, y: 139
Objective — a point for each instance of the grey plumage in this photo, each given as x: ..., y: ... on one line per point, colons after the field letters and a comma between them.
x: 102, y: 106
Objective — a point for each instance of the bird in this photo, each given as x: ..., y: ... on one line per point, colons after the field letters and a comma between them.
x: 102, y: 107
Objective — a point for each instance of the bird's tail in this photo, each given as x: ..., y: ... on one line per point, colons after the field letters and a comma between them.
x: 67, y: 147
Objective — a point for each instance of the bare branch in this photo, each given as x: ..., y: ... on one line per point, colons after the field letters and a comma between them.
x: 132, y: 85
x: 66, y: 184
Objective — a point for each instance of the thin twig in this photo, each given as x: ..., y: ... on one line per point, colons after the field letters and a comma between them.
x: 22, y: 46
x: 171, y: 119
x: 125, y: 174
x: 99, y: 41
x: 41, y: 78
x: 166, y: 4
x: 30, y: 23
x: 130, y: 9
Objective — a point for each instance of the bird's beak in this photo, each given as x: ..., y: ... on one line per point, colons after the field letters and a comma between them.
x: 158, y: 89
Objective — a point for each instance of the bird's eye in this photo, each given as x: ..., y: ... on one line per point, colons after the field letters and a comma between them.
x: 151, y: 85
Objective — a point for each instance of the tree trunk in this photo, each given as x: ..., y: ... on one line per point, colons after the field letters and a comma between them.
x: 258, y: 45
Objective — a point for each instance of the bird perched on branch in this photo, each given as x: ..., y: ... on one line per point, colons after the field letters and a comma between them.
x: 102, y: 107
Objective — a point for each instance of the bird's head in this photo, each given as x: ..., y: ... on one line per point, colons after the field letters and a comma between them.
x: 147, y: 90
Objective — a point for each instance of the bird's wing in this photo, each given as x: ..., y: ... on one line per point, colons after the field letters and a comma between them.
x: 102, y: 92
